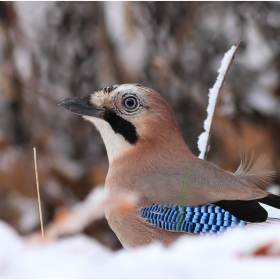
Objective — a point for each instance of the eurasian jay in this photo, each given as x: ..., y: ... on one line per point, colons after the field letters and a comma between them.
x: 178, y: 192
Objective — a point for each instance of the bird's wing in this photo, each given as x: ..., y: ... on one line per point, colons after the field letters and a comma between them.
x: 196, y: 183
x: 207, y: 219
x: 202, y: 198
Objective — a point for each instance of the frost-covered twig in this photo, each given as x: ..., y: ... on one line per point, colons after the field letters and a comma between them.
x: 204, y: 138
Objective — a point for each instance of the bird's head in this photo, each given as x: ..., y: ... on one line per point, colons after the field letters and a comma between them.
x: 127, y: 116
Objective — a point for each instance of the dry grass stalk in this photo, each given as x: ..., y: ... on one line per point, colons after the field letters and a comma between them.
x: 38, y: 193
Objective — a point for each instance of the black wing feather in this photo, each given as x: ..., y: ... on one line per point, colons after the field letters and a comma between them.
x: 249, y: 211
x: 271, y: 200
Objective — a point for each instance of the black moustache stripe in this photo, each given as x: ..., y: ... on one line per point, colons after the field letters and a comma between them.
x: 122, y: 127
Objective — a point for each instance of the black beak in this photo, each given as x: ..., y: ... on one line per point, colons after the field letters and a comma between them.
x: 81, y: 106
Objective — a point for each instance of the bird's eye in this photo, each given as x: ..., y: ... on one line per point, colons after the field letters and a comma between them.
x: 130, y: 103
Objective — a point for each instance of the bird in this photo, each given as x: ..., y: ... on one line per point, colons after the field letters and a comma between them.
x: 178, y: 193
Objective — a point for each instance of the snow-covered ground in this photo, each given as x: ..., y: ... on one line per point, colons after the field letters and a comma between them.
x: 248, y: 252
x: 242, y: 253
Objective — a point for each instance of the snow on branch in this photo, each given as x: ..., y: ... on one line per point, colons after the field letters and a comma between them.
x: 74, y: 220
x: 204, y: 138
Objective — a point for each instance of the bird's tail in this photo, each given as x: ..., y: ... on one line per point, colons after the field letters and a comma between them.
x: 271, y: 203
x: 271, y: 207
x: 271, y: 200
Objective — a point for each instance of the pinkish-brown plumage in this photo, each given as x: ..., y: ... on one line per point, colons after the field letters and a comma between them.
x: 159, y: 166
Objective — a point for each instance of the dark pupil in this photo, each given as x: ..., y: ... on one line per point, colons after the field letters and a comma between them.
x: 130, y: 103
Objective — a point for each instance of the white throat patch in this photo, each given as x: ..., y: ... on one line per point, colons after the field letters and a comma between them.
x: 115, y: 144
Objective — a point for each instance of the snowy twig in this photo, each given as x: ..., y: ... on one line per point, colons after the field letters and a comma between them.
x: 75, y: 219
x: 204, y: 138
x: 38, y: 193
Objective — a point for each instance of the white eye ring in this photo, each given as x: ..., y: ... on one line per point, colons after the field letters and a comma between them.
x: 130, y: 103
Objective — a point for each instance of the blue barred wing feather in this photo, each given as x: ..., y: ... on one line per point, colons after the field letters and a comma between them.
x: 206, y: 219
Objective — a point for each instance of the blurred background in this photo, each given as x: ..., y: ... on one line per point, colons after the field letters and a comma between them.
x: 53, y: 50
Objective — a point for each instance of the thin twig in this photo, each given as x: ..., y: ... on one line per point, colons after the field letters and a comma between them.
x: 38, y: 193
x: 204, y: 138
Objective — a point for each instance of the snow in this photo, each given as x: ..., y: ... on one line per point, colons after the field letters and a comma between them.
x: 213, y: 95
x: 258, y: 54
x: 232, y: 255
x: 32, y: 15
x: 70, y: 168
x: 28, y: 207
x: 263, y: 101
x: 261, y: 97
x: 130, y: 41
x: 248, y: 252
x: 275, y: 189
